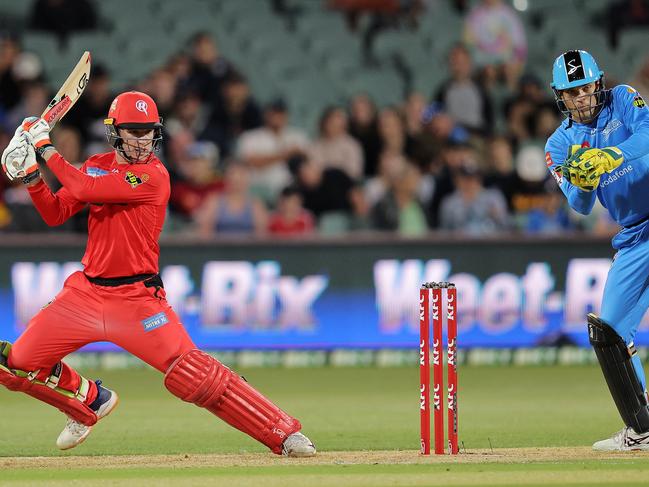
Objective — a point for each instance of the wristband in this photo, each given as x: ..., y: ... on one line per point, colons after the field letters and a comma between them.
x: 40, y: 151
x: 31, y: 177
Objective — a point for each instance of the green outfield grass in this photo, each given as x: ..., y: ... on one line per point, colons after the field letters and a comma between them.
x: 356, y: 409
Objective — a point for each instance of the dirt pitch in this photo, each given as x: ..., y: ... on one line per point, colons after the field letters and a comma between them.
x: 501, y: 455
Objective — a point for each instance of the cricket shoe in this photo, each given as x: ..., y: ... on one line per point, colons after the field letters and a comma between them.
x: 624, y: 440
x: 298, y: 445
x: 74, y: 432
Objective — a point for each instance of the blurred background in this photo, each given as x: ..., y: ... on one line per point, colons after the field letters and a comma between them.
x: 327, y: 157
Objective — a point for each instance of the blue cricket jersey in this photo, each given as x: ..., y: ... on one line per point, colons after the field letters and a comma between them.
x: 624, y: 123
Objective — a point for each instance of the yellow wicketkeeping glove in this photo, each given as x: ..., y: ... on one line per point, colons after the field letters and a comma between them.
x: 584, y: 166
x: 601, y: 160
x: 585, y: 179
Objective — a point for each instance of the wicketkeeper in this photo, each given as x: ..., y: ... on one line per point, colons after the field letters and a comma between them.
x: 601, y: 151
x: 119, y: 297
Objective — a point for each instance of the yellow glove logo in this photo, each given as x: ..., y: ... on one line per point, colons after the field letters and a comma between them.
x: 585, y: 166
x: 602, y: 160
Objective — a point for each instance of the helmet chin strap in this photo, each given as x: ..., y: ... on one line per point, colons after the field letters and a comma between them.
x: 130, y: 160
x: 119, y: 147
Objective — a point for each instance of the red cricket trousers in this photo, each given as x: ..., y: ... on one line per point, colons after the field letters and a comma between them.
x: 134, y: 317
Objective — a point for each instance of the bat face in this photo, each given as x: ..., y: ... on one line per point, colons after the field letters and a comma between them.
x: 69, y: 92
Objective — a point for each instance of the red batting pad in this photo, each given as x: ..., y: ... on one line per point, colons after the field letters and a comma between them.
x: 200, y: 379
x: 70, y: 406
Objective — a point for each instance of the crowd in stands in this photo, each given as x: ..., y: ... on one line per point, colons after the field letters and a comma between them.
x: 467, y: 156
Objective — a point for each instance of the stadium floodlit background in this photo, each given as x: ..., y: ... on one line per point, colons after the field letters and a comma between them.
x: 327, y: 157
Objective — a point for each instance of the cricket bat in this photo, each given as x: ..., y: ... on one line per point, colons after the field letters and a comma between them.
x: 69, y: 92
x: 67, y: 95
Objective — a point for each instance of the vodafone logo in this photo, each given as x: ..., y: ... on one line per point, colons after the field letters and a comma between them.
x: 141, y: 106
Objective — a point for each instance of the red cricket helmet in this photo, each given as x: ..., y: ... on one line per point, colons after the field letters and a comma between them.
x: 133, y: 110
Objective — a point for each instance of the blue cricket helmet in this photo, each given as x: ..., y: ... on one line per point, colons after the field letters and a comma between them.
x: 574, y: 68
x: 577, y: 68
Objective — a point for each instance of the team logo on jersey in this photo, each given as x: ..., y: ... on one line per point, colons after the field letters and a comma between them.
x: 638, y: 102
x: 611, y: 127
x: 142, y: 106
x: 134, y: 180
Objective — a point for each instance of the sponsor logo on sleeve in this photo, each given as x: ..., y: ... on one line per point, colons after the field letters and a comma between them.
x: 556, y: 173
x: 134, y: 180
x: 95, y: 171
x: 638, y: 101
x: 548, y: 159
x: 155, y: 321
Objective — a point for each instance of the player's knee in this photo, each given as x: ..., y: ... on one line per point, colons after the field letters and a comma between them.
x: 21, y: 360
x: 5, y: 348
x: 603, y: 333
x: 9, y: 378
x: 171, y: 357
x: 198, y: 378
x: 10, y: 356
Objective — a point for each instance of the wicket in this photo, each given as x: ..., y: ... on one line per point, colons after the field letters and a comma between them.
x: 430, y: 303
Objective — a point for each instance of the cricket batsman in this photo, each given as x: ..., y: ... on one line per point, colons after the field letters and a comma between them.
x: 119, y: 297
x: 601, y: 150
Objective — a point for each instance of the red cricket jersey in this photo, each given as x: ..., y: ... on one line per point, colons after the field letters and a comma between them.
x: 127, y: 210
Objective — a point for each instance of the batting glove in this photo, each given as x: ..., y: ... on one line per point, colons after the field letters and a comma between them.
x: 19, y: 159
x: 38, y: 134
